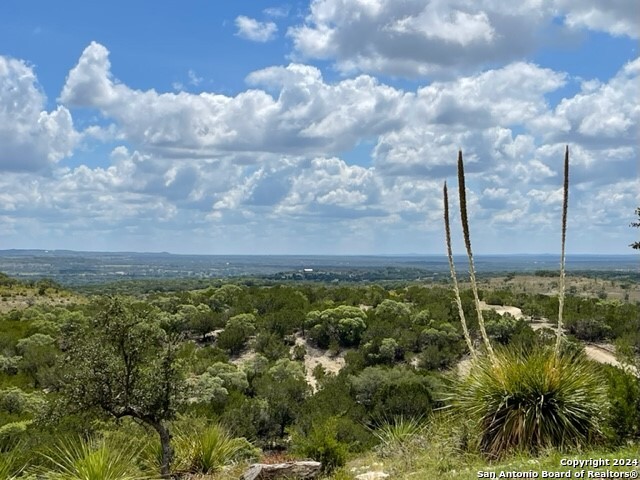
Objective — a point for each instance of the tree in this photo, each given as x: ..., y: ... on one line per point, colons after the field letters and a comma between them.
x: 122, y: 363
x: 636, y: 245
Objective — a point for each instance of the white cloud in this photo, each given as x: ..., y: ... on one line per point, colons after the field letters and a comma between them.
x: 264, y: 167
x: 617, y: 17
x: 416, y: 38
x: 444, y: 37
x: 251, y: 29
x: 307, y: 116
x: 277, y: 12
x: 31, y: 137
x: 609, y: 111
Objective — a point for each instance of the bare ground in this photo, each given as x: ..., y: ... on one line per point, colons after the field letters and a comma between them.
x: 315, y: 357
x: 602, y: 353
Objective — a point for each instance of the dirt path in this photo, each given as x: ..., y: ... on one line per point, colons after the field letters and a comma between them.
x: 502, y: 309
x: 599, y: 352
x: 315, y: 357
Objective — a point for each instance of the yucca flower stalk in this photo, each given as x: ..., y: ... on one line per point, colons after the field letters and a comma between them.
x: 452, y: 269
x: 467, y: 242
x: 565, y: 203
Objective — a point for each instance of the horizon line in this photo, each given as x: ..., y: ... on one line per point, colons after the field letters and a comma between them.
x: 408, y: 254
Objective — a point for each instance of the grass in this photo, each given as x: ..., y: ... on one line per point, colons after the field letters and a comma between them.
x: 447, y: 452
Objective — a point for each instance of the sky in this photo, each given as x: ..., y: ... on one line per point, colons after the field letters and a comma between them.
x: 321, y: 127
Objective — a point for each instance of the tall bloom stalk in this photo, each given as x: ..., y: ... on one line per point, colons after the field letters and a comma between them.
x: 565, y: 203
x: 452, y: 269
x: 467, y: 242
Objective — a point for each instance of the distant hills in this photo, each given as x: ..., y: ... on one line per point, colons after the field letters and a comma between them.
x: 73, y: 267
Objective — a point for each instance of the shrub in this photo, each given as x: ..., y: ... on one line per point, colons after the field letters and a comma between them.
x: 399, y: 434
x: 80, y: 459
x: 533, y: 401
x: 393, y: 391
x: 322, y: 445
x: 624, y: 395
x: 590, y: 329
x: 211, y: 449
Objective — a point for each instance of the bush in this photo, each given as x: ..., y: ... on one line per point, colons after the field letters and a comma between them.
x: 624, y: 395
x: 388, y: 392
x: 322, y: 445
x: 211, y: 449
x: 590, y: 330
x: 534, y: 401
x: 92, y: 460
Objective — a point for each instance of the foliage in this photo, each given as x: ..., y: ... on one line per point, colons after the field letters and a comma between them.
x: 624, y: 395
x: 441, y: 345
x: 38, y: 353
x: 343, y: 324
x: 237, y: 332
x: 533, y: 401
x: 393, y: 392
x: 80, y: 459
x: 399, y: 434
x: 122, y: 363
x: 214, y: 384
x: 321, y: 445
x: 210, y: 449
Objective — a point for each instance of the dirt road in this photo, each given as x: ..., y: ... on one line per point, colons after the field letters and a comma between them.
x: 599, y: 352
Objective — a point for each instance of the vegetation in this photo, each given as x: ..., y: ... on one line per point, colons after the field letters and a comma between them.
x: 201, y: 378
x: 533, y: 401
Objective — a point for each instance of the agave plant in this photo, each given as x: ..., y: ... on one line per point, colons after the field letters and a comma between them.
x: 462, y: 193
x: 565, y: 202
x: 9, y: 464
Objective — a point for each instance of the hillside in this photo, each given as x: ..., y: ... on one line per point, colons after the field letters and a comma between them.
x: 356, y: 376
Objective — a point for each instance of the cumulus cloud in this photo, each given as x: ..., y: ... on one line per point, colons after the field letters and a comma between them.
x: 443, y: 37
x: 308, y: 115
x: 619, y: 17
x: 416, y: 38
x: 252, y: 29
x: 194, y: 163
x: 31, y: 137
x: 472, y: 113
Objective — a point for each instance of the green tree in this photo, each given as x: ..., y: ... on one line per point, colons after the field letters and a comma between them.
x: 236, y: 333
x: 120, y: 362
x: 38, y: 353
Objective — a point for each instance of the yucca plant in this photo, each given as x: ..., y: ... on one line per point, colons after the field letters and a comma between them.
x: 210, y: 450
x: 532, y: 401
x: 10, y: 467
x: 527, y: 401
x: 399, y: 433
x: 91, y: 459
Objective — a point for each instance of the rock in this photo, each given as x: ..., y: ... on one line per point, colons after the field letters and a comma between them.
x: 372, y: 476
x: 290, y: 470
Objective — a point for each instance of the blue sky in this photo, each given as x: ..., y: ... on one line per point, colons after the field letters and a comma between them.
x: 322, y: 127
